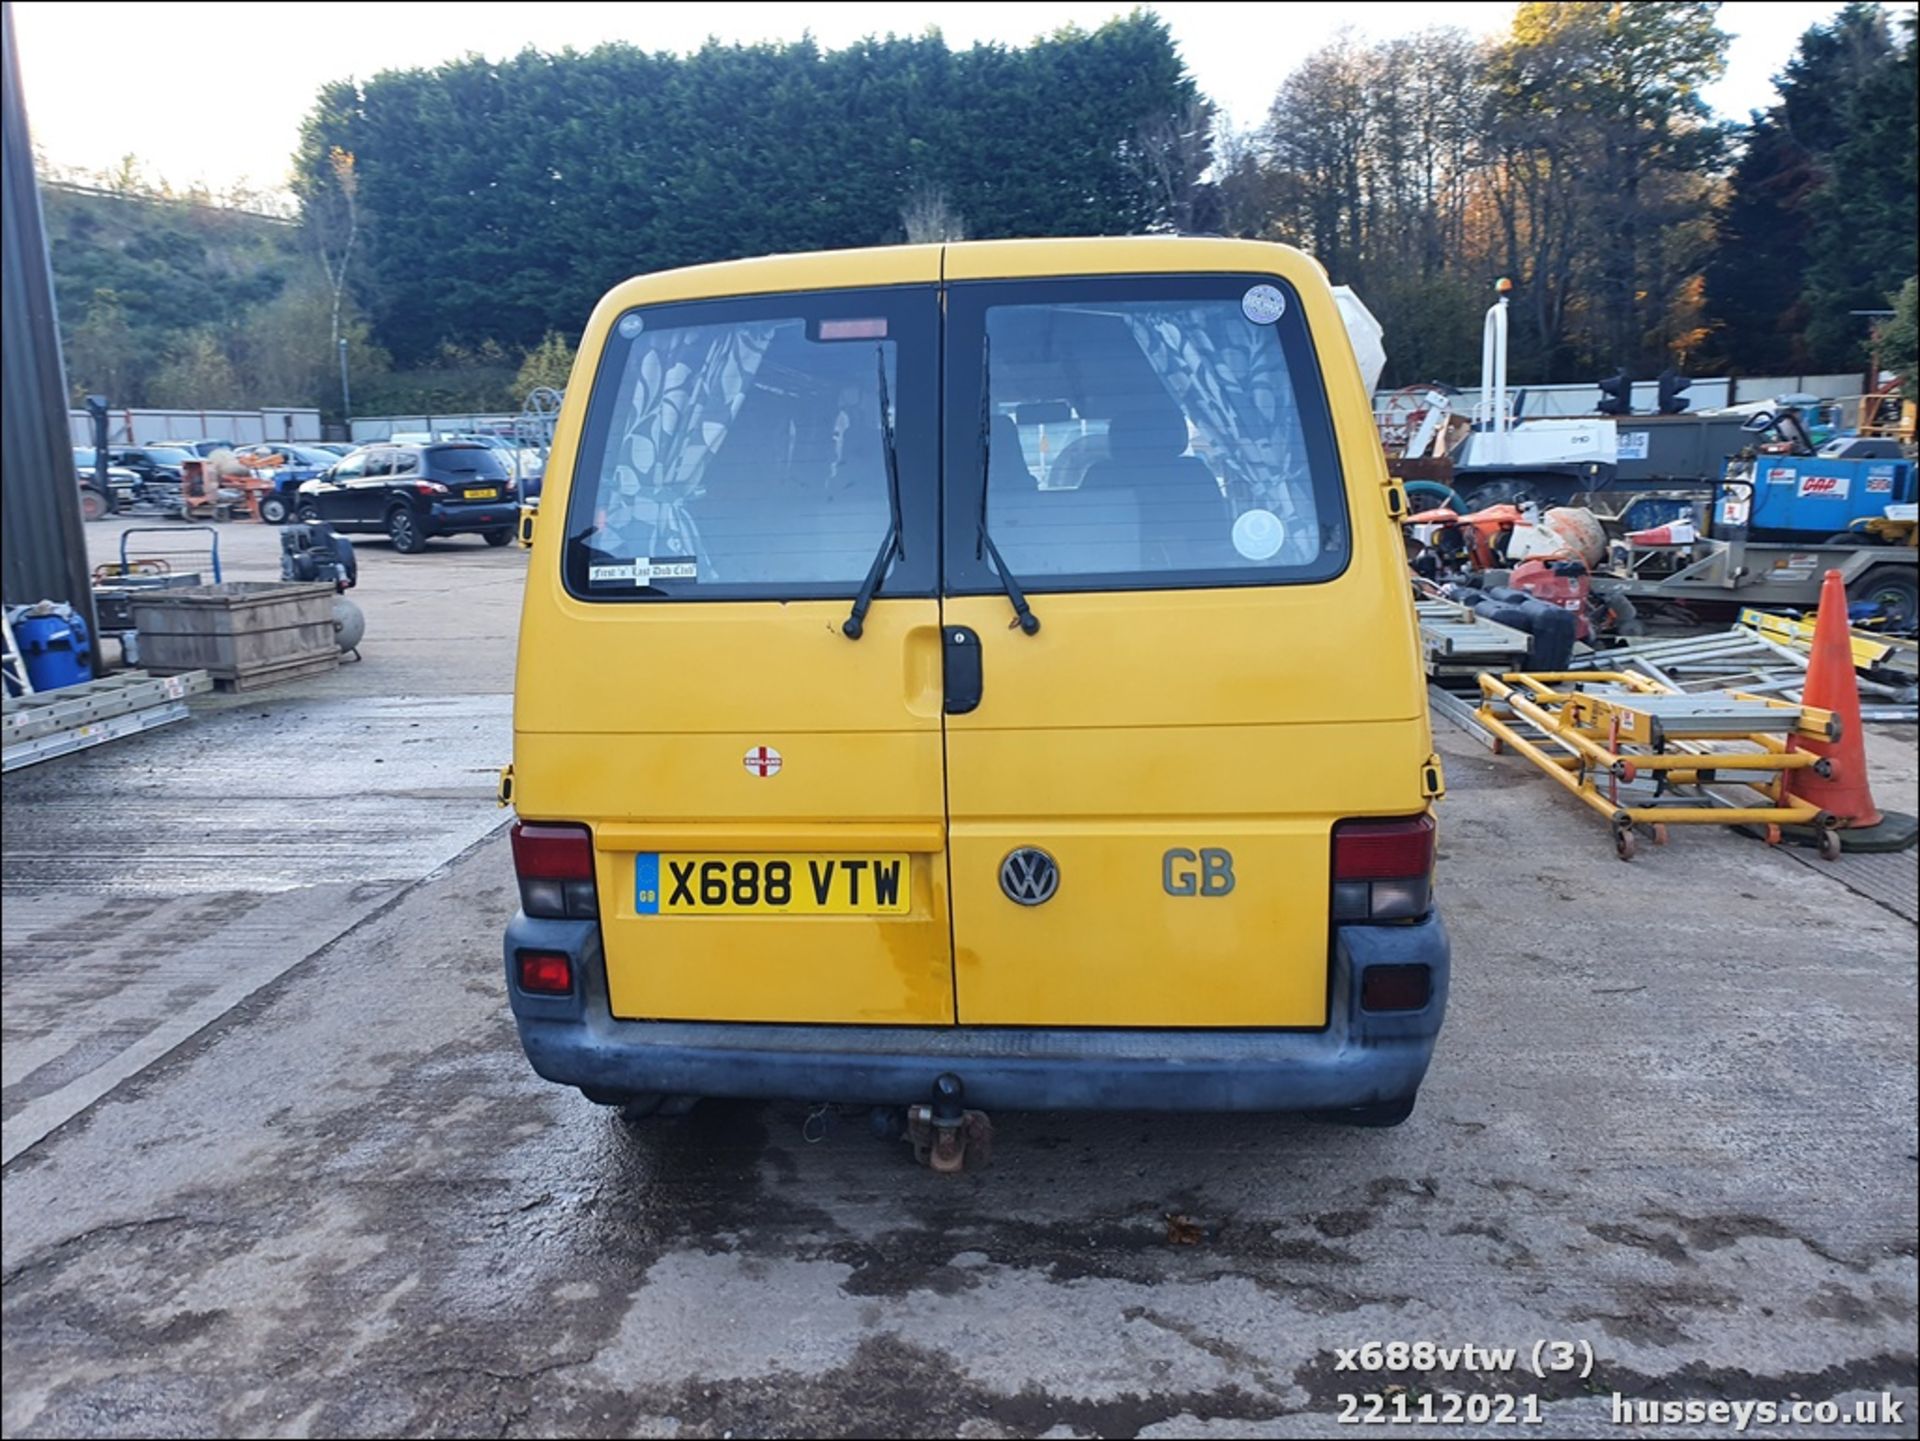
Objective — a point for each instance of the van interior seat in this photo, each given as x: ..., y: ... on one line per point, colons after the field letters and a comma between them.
x: 1182, y: 513
x: 1054, y: 532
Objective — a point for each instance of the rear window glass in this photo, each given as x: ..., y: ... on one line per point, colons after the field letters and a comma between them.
x: 736, y: 449
x: 1139, y: 439
x: 465, y: 462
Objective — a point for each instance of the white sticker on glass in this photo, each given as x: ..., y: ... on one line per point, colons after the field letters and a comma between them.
x: 644, y: 571
x: 1259, y: 534
x: 1262, y: 304
x: 630, y: 326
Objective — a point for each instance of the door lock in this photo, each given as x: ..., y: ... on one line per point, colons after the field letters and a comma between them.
x: 962, y: 664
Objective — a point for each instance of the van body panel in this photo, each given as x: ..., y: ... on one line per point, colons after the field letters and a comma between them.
x: 1148, y: 729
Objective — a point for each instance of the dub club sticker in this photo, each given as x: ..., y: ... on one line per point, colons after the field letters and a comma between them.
x: 1263, y: 304
x: 763, y: 761
x: 644, y: 571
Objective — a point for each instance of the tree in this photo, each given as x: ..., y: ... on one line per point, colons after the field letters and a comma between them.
x: 549, y: 364
x: 330, y: 212
x: 199, y: 375
x: 103, y: 355
x: 927, y: 215
x: 1174, y: 153
x: 1608, y: 142
x: 1819, y: 214
x: 1862, y: 240
x: 1896, y: 340
x: 500, y: 199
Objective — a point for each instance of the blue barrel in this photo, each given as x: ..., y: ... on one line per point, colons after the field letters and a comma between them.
x: 55, y: 647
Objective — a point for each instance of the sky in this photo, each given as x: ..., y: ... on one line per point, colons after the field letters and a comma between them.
x: 214, y: 93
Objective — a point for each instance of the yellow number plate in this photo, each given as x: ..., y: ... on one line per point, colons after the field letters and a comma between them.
x: 667, y: 884
x: 483, y: 495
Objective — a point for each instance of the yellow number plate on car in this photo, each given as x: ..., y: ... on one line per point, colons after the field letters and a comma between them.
x: 668, y: 884
x: 483, y: 495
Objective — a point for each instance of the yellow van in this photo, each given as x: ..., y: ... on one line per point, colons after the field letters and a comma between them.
x: 975, y: 676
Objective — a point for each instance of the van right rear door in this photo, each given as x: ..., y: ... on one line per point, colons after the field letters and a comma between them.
x: 1141, y: 791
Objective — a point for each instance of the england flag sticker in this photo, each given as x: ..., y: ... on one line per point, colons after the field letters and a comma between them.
x: 763, y: 761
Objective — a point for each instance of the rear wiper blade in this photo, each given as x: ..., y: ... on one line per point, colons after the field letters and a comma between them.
x: 1023, y: 615
x: 894, y: 546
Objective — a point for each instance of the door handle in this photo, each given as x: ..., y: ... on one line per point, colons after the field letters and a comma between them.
x: 962, y: 667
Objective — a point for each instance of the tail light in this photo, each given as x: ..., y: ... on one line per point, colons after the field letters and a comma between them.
x: 1383, y: 870
x: 555, y: 867
x: 429, y: 487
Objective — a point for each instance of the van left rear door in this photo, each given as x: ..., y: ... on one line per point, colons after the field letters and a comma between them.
x: 765, y: 791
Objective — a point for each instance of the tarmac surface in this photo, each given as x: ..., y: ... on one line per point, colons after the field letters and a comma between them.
x: 275, y: 1164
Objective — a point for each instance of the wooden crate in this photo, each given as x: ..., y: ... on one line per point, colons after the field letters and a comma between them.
x: 244, y: 633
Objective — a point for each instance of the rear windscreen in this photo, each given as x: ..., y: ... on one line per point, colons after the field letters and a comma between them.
x: 1144, y: 433
x: 738, y: 449
x: 465, y: 462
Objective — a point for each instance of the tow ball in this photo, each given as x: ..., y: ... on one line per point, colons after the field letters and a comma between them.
x: 945, y: 1135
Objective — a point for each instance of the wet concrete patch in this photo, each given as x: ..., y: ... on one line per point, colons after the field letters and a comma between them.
x: 152, y: 885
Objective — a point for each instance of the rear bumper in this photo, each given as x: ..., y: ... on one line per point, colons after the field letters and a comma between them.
x: 444, y: 519
x: 1361, y: 1058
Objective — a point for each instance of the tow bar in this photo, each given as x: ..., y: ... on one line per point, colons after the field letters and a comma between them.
x: 945, y: 1135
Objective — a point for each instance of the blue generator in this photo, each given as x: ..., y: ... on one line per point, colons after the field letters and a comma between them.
x: 1816, y: 497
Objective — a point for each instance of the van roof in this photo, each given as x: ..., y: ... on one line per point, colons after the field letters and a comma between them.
x: 960, y: 260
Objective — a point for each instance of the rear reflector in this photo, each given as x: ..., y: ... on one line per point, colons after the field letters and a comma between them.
x: 1383, y: 850
x: 1395, y: 988
x: 545, y: 973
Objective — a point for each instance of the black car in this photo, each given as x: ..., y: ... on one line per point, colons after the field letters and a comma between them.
x: 413, y: 493
x: 154, y: 462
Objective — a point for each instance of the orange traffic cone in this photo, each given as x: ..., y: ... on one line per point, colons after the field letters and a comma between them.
x: 1832, y: 685
x: 1679, y: 532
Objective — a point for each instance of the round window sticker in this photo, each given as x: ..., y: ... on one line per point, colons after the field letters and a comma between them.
x: 1259, y: 534
x: 630, y: 326
x: 1262, y: 304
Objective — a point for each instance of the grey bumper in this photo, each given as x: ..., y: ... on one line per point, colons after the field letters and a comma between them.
x: 1360, y: 1058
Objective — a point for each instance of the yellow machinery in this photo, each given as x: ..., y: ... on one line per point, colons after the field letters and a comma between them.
x: 1615, y: 732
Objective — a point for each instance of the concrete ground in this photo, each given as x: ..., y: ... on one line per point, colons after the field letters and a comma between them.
x: 276, y: 1165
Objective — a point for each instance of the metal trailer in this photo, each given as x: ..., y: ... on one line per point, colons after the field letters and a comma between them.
x: 1753, y: 573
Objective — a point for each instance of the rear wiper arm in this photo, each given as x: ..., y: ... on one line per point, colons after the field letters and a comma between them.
x: 894, y: 546
x: 1023, y: 615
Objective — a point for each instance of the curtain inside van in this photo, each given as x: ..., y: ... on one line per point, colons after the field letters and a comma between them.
x: 1230, y: 377
x: 688, y: 385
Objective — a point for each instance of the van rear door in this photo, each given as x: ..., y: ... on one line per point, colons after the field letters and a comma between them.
x: 765, y: 793
x: 1141, y: 793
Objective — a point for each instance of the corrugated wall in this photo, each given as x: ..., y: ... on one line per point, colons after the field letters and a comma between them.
x: 42, y: 545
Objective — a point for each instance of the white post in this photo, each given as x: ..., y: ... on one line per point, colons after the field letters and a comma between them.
x: 1491, y: 412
